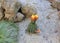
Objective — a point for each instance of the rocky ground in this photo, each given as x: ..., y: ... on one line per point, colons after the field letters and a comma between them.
x: 48, y: 22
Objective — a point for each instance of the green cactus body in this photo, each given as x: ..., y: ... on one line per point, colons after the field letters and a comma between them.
x: 32, y: 27
x: 8, y: 32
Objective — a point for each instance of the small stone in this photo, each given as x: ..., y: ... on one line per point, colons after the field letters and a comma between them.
x: 56, y: 31
x: 43, y: 36
x: 19, y: 17
x: 48, y: 17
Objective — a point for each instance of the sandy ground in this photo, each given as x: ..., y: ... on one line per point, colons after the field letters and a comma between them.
x: 48, y: 23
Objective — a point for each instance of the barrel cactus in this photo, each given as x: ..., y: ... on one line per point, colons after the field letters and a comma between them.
x: 8, y: 32
x: 32, y: 27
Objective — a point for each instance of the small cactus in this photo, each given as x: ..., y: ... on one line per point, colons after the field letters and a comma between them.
x: 32, y: 27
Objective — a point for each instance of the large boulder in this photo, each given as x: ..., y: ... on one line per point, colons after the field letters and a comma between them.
x: 11, y: 7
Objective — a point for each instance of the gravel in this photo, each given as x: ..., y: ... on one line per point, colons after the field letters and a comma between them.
x: 50, y: 28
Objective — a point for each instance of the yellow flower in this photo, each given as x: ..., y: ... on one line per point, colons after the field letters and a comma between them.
x: 34, y: 17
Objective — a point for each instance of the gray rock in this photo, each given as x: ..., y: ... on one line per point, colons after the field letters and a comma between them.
x: 19, y: 17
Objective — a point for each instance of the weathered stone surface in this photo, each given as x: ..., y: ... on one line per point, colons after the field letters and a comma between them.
x: 19, y: 17
x: 51, y: 0
x: 9, y: 15
x: 1, y: 14
x: 11, y: 7
x: 28, y: 10
x: 55, y: 3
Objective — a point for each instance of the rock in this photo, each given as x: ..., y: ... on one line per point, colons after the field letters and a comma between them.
x: 17, y: 6
x: 55, y: 3
x: 9, y: 14
x: 1, y: 12
x: 51, y: 1
x: 28, y: 10
x: 19, y: 17
x: 11, y: 7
